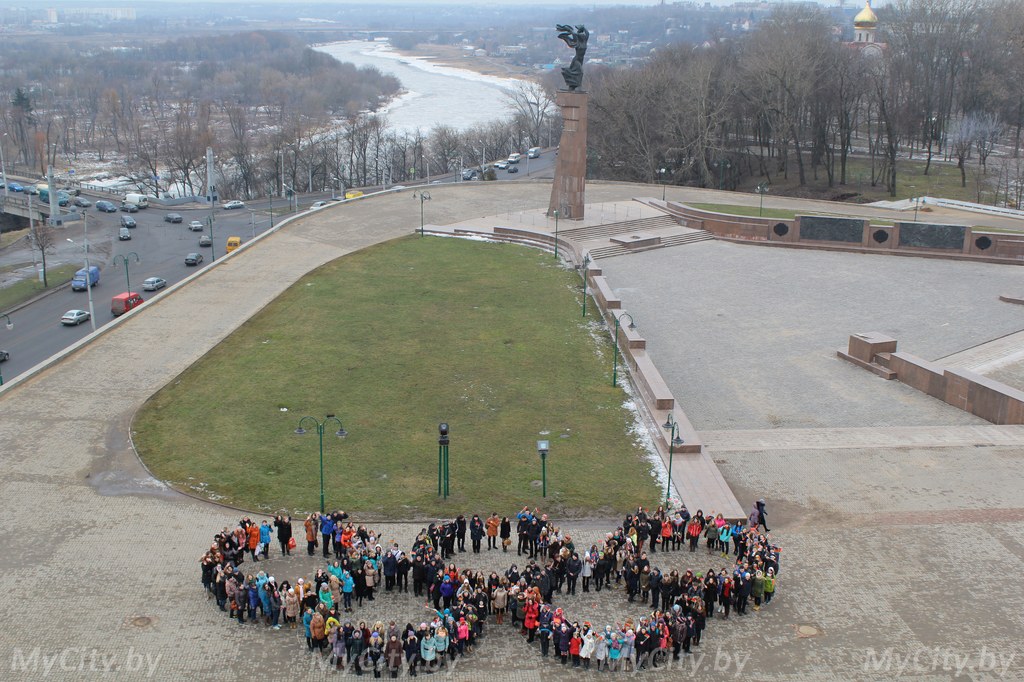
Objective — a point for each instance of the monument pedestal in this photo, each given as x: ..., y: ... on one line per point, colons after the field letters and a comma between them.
x: 568, y: 191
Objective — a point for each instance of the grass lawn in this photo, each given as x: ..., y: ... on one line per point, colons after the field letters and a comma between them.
x: 393, y: 340
x: 943, y: 180
x: 26, y: 289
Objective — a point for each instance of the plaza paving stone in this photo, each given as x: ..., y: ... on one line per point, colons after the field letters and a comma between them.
x: 894, y: 559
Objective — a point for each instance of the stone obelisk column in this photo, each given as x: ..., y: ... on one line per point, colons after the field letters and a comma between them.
x: 568, y: 191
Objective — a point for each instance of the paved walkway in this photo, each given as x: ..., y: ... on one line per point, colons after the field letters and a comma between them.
x: 100, y: 568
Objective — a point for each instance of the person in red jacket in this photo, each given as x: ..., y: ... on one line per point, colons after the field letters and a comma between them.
x: 254, y: 539
x: 530, y: 619
x: 693, y: 530
x: 574, y: 648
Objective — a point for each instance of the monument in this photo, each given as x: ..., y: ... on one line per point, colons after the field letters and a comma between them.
x: 568, y: 189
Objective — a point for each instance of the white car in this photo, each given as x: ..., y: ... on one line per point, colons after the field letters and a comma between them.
x: 73, y: 317
x: 320, y: 204
x: 153, y: 283
x: 234, y: 204
x: 196, y: 226
x: 501, y: 164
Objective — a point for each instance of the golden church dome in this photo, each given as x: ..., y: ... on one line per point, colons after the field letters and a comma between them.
x: 866, y: 18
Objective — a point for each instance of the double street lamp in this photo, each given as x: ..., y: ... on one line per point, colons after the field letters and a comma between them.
x: 542, y: 449
x: 320, y: 426
x: 422, y: 196
x: 123, y: 258
x: 673, y: 441
x: 615, y: 345
x: 761, y: 189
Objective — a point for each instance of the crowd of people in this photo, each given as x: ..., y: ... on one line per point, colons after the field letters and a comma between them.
x: 678, y: 605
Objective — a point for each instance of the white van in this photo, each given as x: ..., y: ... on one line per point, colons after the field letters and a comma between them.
x: 533, y: 152
x: 514, y: 158
x: 140, y: 200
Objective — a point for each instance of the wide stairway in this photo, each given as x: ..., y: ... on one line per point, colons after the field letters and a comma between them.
x: 666, y: 228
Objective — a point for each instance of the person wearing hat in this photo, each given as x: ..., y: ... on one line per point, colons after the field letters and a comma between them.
x: 769, y: 585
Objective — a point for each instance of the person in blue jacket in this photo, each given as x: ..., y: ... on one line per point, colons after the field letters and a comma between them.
x: 348, y: 585
x: 265, y: 536
x: 327, y: 531
x: 307, y: 617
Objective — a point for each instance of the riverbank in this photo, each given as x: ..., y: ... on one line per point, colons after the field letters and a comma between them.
x: 457, y: 58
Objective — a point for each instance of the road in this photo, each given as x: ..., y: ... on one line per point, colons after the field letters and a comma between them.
x: 161, y: 248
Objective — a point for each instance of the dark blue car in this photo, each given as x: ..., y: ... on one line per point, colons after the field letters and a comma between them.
x: 15, y: 187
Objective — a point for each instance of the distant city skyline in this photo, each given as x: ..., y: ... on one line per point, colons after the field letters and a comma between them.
x: 536, y: 3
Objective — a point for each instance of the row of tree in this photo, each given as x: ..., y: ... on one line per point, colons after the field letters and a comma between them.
x: 792, y: 100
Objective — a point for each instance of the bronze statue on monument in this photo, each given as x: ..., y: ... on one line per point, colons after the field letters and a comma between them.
x: 577, y: 40
x: 568, y: 191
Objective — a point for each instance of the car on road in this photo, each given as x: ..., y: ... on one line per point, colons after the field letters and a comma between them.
x: 15, y: 187
x: 320, y: 204
x: 173, y: 218
x: 153, y: 283
x: 468, y: 174
x: 195, y: 226
x: 234, y: 204
x: 128, y: 221
x: 193, y: 259
x: 4, y: 356
x: 33, y: 190
x: 82, y: 202
x: 205, y: 240
x: 129, y: 207
x: 106, y: 207
x: 74, y: 317
x: 398, y: 188
x: 513, y: 169
x: 501, y: 164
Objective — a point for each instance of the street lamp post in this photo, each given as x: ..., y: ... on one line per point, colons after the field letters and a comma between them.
x: 213, y: 248
x: 442, y: 459
x: 320, y: 425
x: 586, y: 264
x: 761, y: 189
x: 673, y: 441
x: 661, y: 176
x: 10, y: 326
x: 123, y: 258
x: 3, y: 167
x: 542, y: 449
x: 422, y: 196
x: 722, y: 167
x: 615, y: 344
x: 88, y: 280
x: 556, y: 234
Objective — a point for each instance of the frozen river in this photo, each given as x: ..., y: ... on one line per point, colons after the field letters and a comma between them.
x: 434, y: 94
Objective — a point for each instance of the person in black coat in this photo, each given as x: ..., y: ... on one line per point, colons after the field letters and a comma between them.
x: 284, y: 532
x: 476, y: 532
x: 460, y: 531
x: 505, y: 533
x: 403, y: 573
x: 762, y: 516
x: 573, y: 568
